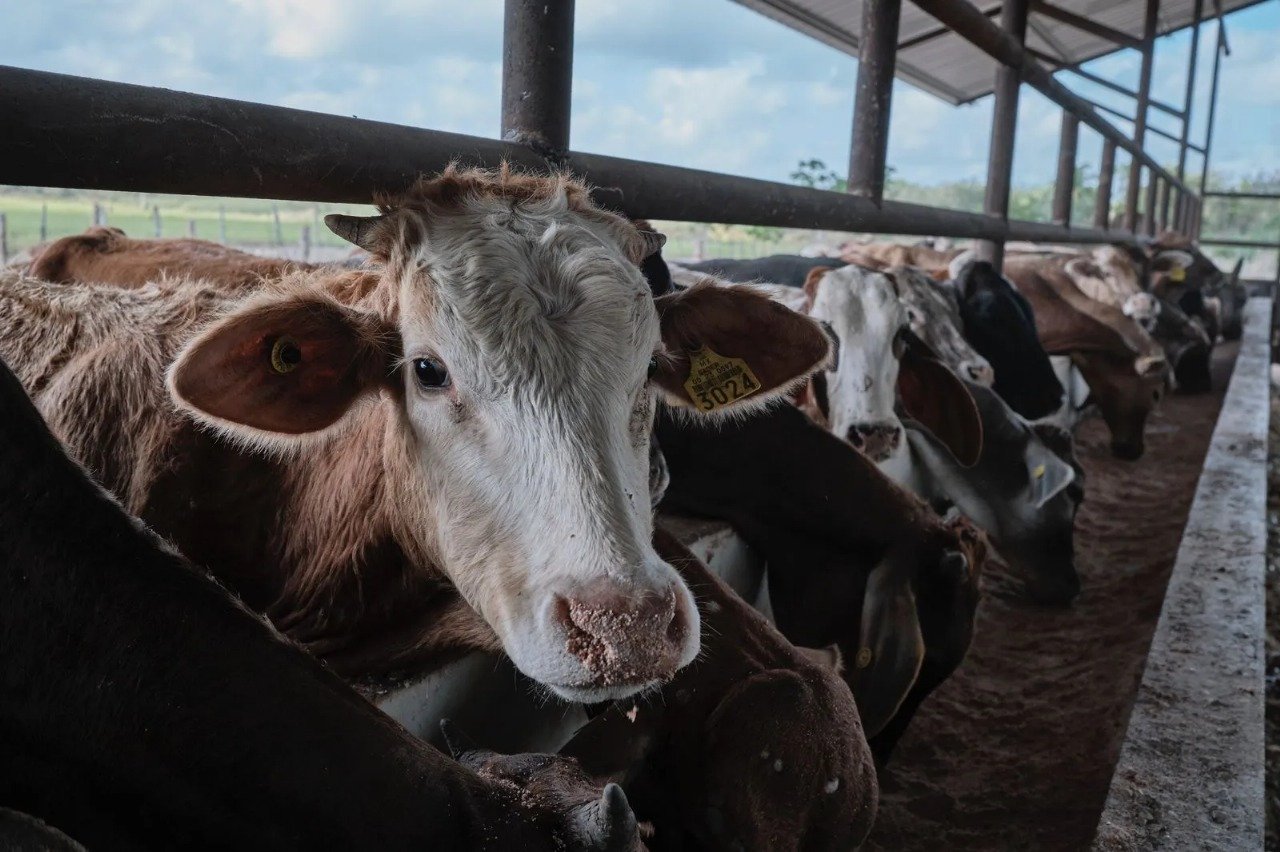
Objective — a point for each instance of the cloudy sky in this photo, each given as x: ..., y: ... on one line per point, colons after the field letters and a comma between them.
x: 703, y: 83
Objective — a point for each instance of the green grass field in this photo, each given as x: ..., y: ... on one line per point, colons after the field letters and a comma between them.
x: 246, y: 222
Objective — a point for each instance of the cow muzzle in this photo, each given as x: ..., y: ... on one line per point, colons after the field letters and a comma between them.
x: 625, y: 640
x: 877, y: 441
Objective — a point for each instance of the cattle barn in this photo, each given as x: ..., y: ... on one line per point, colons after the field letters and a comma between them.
x: 520, y: 530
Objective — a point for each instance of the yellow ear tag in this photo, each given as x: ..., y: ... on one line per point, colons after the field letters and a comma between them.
x: 716, y: 381
x: 1038, y: 471
x: 863, y: 659
x: 1177, y: 274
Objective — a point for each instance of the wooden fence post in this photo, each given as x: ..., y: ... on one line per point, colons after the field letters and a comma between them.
x: 305, y: 242
x: 191, y: 228
x: 275, y: 214
x: 44, y: 222
x: 222, y: 223
x: 155, y: 219
x: 99, y: 214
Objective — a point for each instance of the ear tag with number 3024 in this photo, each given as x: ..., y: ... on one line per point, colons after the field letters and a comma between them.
x: 716, y: 381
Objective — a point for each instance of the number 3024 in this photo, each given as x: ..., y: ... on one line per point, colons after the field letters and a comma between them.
x: 726, y: 393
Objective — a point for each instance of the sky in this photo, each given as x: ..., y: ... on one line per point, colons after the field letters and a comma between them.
x: 700, y: 83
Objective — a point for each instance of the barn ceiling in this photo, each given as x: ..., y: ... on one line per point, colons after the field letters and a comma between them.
x: 941, y: 62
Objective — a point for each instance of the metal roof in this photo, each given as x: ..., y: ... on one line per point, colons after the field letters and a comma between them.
x: 944, y: 64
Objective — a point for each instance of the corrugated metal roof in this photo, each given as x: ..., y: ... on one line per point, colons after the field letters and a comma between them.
x: 941, y: 62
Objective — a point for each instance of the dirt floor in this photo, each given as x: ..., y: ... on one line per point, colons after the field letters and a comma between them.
x: 1016, y: 751
x: 1273, y: 627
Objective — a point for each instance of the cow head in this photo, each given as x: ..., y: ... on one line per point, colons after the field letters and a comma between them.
x: 998, y: 321
x: 518, y: 352
x: 934, y: 316
x: 1127, y: 388
x: 880, y: 362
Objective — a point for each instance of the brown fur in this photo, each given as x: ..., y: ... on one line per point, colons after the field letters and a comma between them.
x: 106, y: 255
x: 752, y: 746
x: 881, y: 256
x: 1107, y: 346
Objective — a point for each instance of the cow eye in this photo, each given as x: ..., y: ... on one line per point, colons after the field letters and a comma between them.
x: 899, y: 344
x: 653, y: 367
x: 431, y: 374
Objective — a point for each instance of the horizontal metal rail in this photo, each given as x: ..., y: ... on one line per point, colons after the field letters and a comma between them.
x: 1258, y: 196
x: 72, y: 129
x: 974, y: 27
x: 1229, y: 243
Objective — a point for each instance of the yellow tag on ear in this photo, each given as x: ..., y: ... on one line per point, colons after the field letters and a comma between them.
x: 1177, y: 274
x: 716, y: 381
x: 1038, y: 471
x: 863, y: 659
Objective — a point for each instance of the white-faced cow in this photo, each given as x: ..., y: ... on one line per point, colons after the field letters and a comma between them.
x: 338, y: 445
x: 888, y: 382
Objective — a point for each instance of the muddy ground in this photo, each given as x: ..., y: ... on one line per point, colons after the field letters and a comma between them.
x: 1016, y: 751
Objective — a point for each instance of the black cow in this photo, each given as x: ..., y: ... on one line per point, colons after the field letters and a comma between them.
x: 788, y: 269
x: 142, y: 707
x: 1000, y: 324
x: 854, y: 560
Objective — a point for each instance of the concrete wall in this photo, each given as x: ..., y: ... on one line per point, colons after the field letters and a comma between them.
x: 1190, y: 774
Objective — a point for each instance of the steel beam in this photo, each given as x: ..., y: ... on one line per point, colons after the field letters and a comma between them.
x: 1184, y: 140
x: 1162, y: 207
x: 1149, y: 204
x: 1004, y: 124
x: 1257, y: 196
x: 877, y: 53
x: 1140, y: 119
x: 973, y: 26
x: 537, y: 74
x: 1219, y: 46
x: 1065, y: 183
x: 1106, y: 177
x: 1087, y: 25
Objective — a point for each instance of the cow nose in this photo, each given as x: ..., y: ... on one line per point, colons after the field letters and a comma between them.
x: 622, y: 636
x: 877, y: 441
x: 854, y: 436
x: 979, y: 372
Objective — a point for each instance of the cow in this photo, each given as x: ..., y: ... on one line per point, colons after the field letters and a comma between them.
x: 933, y: 313
x: 889, y: 386
x: 143, y: 706
x: 1125, y: 368
x: 1111, y: 276
x: 1000, y: 325
x: 753, y: 743
x: 1182, y: 274
x: 787, y: 269
x: 853, y: 560
x: 107, y: 254
x: 453, y: 418
x: 882, y: 256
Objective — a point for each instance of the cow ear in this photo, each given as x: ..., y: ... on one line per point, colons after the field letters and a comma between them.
x: 938, y: 400
x: 890, y: 648
x: 811, y: 281
x: 283, y: 366
x: 1170, y: 260
x: 730, y: 349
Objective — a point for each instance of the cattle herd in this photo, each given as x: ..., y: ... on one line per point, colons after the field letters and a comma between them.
x: 235, y: 486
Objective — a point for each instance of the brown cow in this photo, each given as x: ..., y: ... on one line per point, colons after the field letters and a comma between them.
x: 1124, y: 367
x: 882, y: 256
x: 142, y: 707
x: 752, y: 746
x: 347, y: 444
x: 107, y: 255
x: 854, y: 560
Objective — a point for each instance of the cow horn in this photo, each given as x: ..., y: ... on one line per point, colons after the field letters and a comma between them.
x: 1235, y: 272
x: 606, y: 824
x: 457, y: 742
x: 361, y: 231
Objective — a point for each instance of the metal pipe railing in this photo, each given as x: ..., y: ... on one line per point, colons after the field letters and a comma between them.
x: 201, y: 145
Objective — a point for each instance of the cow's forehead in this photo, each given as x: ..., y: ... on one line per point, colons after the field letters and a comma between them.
x: 529, y: 294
